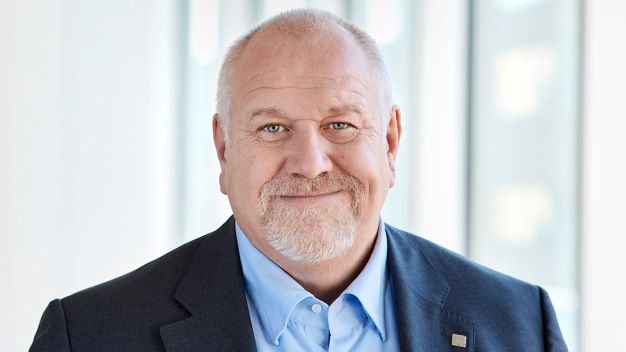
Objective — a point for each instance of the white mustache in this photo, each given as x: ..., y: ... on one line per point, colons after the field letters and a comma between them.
x: 304, y: 186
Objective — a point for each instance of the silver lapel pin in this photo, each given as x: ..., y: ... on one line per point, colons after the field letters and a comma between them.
x: 459, y: 340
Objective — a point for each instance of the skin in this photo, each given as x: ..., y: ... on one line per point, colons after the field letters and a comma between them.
x: 307, y: 106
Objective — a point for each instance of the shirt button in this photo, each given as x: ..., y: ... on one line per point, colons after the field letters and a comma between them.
x: 316, y: 308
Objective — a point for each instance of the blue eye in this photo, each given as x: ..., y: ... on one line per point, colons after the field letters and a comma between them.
x: 338, y: 125
x: 273, y: 128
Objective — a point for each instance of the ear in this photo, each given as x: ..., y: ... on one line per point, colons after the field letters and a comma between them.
x: 394, y: 130
x: 219, y: 138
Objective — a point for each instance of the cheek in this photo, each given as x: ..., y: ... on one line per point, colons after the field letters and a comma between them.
x: 369, y: 165
x: 249, y: 172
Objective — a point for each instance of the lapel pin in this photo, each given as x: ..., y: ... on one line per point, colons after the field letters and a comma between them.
x: 459, y: 340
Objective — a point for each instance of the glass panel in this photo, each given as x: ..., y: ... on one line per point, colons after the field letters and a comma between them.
x: 209, y: 34
x: 389, y: 23
x: 524, y: 160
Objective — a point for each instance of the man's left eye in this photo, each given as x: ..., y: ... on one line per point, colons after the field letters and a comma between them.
x: 273, y: 128
x: 338, y: 125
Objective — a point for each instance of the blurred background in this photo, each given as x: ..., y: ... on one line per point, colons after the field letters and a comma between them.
x: 512, y: 152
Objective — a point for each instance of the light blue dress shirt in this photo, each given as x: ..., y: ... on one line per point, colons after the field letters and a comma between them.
x: 285, y: 317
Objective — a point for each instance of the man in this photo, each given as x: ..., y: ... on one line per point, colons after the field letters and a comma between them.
x: 306, y: 136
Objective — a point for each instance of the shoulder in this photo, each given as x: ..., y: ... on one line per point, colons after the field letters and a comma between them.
x: 137, y: 304
x: 163, y: 273
x: 161, y: 276
x: 126, y: 311
x: 503, y: 311
x: 452, y: 266
x: 471, y: 287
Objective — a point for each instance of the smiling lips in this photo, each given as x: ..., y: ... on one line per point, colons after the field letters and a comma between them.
x: 324, y: 190
x: 311, y: 198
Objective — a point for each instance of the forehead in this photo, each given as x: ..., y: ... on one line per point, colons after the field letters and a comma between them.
x: 327, y: 60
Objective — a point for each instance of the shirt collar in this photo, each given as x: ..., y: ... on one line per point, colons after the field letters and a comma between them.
x: 272, y: 290
x: 374, y: 275
x: 275, y: 293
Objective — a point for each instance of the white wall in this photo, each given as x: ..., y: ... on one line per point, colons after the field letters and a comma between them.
x: 603, y: 263
x: 87, y: 149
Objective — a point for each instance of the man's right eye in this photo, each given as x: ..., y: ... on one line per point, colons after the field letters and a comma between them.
x: 273, y: 128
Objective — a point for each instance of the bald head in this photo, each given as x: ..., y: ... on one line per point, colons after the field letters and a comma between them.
x: 312, y: 29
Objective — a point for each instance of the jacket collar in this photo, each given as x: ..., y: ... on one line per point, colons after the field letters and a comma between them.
x: 419, y: 294
x: 213, y: 292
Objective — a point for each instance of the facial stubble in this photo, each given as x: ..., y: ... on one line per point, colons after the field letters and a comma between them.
x: 311, y: 233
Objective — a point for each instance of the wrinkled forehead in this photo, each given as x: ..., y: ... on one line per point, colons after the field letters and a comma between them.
x: 328, y: 56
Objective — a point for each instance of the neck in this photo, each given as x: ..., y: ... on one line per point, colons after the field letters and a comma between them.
x: 328, y: 279
x: 324, y: 281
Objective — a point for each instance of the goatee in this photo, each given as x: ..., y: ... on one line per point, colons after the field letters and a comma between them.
x: 311, y: 233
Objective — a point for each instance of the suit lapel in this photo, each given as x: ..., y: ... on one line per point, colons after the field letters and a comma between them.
x: 419, y: 294
x: 213, y: 292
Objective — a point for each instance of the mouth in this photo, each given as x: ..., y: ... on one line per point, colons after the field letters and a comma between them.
x: 311, y: 198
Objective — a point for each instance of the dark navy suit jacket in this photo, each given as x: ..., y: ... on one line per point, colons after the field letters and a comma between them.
x: 193, y: 299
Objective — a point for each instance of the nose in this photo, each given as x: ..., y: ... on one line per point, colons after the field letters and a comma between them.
x: 308, y: 154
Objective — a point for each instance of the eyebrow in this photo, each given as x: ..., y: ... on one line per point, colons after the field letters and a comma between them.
x: 343, y: 109
x: 333, y: 111
x: 260, y: 112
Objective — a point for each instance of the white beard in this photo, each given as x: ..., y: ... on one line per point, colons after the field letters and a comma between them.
x: 312, y: 233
